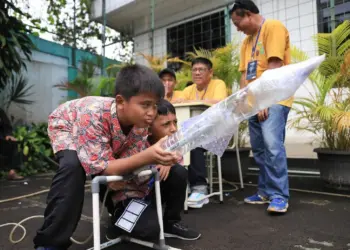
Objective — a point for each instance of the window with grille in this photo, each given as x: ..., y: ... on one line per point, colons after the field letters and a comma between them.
x: 207, y: 32
x: 341, y: 12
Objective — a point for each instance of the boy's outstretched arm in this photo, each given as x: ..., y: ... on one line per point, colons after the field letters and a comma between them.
x: 96, y: 155
x: 152, y: 155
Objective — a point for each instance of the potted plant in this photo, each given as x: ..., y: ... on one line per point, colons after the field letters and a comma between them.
x: 326, y: 112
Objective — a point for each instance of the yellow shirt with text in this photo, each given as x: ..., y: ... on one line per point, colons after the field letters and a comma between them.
x: 216, y: 90
x: 273, y: 42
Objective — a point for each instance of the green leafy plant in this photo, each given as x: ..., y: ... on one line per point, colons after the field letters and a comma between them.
x: 17, y: 90
x: 72, y: 25
x: 335, y: 45
x: 326, y: 111
x: 14, y: 40
x: 35, y: 146
x: 87, y: 83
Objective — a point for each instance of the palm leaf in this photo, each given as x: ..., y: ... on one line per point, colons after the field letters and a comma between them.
x: 156, y: 63
x: 17, y: 91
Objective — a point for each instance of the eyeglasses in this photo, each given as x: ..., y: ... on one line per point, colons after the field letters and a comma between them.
x: 200, y: 70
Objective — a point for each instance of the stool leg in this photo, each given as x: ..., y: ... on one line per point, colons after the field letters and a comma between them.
x: 96, y: 220
x: 159, y: 211
x: 211, y: 165
x: 186, y: 198
x: 220, y: 180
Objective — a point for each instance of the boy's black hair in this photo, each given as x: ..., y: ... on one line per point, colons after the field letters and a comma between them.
x: 167, y: 71
x: 242, y: 7
x: 204, y: 61
x: 165, y: 107
x: 136, y: 79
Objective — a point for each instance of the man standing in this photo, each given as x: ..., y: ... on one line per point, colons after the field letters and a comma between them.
x: 266, y: 46
x: 9, y: 149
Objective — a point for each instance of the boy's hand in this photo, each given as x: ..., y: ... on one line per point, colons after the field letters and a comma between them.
x: 159, y: 156
x: 163, y: 172
x: 116, y: 185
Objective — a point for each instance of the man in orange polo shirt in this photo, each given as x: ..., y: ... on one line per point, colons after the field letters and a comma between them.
x: 266, y: 46
x: 208, y: 90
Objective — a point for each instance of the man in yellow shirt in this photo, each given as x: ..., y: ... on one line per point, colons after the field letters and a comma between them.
x: 266, y: 46
x: 207, y: 90
x: 168, y: 78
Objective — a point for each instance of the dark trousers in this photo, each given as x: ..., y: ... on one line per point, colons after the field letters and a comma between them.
x: 13, y: 159
x: 64, y: 203
x: 66, y: 198
x: 173, y: 193
x: 197, y: 172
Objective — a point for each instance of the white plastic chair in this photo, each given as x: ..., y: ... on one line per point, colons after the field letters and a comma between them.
x: 95, y: 189
x: 211, y: 166
x: 235, y: 146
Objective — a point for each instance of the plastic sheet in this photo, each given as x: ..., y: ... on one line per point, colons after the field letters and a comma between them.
x: 214, y: 128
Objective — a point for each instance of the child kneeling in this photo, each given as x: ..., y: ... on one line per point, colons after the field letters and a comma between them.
x: 173, y: 190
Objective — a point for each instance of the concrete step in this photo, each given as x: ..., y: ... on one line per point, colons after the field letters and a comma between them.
x: 299, y: 151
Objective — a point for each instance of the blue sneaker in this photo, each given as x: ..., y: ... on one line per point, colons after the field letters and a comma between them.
x: 256, y: 199
x: 278, y: 205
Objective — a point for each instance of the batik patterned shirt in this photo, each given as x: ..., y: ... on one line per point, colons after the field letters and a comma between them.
x: 90, y: 127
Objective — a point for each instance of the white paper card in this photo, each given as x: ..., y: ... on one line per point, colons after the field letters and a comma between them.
x: 135, y: 207
x: 131, y: 215
x: 126, y: 225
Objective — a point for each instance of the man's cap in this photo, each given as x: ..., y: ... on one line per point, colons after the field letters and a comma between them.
x: 167, y: 71
x: 245, y: 5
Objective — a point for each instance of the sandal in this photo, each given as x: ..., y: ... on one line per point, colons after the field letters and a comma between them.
x: 13, y: 176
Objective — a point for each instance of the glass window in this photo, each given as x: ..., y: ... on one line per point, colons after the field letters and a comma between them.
x: 341, y: 12
x: 207, y: 32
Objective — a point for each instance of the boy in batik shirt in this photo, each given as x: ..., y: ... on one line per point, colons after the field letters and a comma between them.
x: 100, y: 136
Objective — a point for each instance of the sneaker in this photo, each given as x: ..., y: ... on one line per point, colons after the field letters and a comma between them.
x: 256, y: 199
x: 113, y: 232
x: 197, y: 200
x: 278, y: 205
x: 180, y: 231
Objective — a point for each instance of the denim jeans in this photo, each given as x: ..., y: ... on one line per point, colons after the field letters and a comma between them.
x: 197, y: 171
x: 267, y: 141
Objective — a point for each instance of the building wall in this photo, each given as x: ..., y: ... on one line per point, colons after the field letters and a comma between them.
x: 51, y: 64
x: 43, y: 72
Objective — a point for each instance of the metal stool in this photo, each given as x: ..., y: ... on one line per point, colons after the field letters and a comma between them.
x: 95, y: 189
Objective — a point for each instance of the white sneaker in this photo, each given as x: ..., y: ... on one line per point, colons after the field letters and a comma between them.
x: 197, y: 200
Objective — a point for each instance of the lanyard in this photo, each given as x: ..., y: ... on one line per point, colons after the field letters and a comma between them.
x: 257, y: 39
x: 205, y: 91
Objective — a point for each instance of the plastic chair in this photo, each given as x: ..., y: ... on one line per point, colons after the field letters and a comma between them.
x: 211, y: 182
x: 235, y: 145
x: 95, y: 189
x: 211, y: 193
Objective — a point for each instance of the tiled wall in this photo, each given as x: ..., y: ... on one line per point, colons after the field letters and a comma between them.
x: 299, y: 16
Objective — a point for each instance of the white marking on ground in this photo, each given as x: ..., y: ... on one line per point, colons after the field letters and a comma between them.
x: 306, y: 248
x: 323, y: 243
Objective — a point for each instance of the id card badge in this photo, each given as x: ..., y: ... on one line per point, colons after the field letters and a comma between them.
x: 251, y: 70
x: 131, y: 215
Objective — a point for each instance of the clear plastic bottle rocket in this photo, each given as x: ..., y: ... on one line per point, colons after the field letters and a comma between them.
x: 214, y: 128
